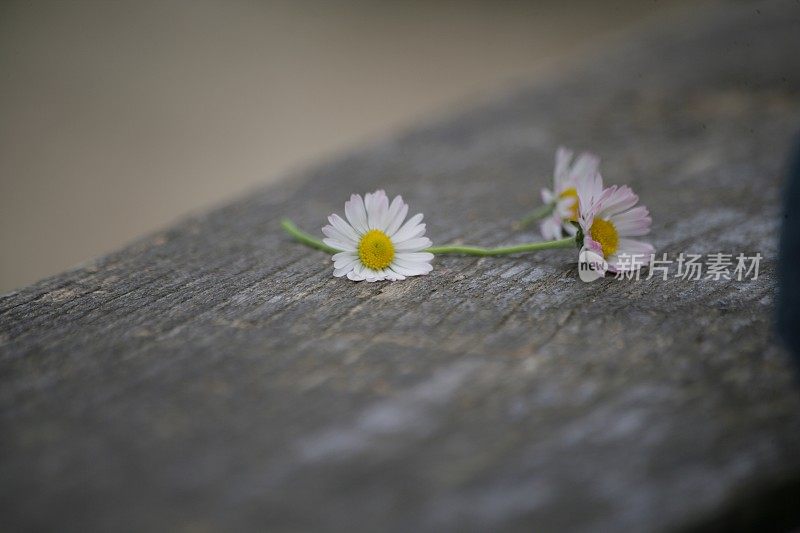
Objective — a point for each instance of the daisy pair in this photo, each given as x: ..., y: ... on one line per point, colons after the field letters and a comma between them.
x: 603, y: 220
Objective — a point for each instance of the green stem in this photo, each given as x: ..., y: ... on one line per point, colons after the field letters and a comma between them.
x: 537, y: 214
x: 313, y: 242
x: 504, y: 250
x: 306, y: 238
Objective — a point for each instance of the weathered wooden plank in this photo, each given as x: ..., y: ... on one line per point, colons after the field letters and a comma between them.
x: 216, y: 376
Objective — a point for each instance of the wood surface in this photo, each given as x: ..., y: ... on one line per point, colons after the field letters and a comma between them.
x: 215, y: 376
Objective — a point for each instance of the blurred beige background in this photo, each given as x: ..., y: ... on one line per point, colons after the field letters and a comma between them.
x: 116, y: 118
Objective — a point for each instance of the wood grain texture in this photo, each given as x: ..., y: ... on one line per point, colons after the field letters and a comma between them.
x: 216, y: 377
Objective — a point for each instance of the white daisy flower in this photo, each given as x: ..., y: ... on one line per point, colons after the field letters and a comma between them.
x: 374, y: 243
x: 563, y: 199
x: 608, y: 220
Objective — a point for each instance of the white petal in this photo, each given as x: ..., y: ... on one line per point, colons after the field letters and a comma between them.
x: 560, y: 173
x: 339, y: 272
x: 585, y: 222
x: 633, y: 223
x: 384, y: 216
x: 380, y: 211
x: 564, y: 207
x: 413, y: 245
x: 633, y: 228
x: 344, y: 267
x: 336, y: 235
x: 397, y: 214
x: 376, y: 205
x: 403, y: 271
x: 397, y: 277
x: 357, y: 274
x: 639, y: 212
x: 586, y: 165
x: 410, y: 229
x: 356, y: 214
x: 373, y: 275
x: 344, y: 259
x: 616, y: 201
x: 342, y: 226
x: 343, y: 255
x: 345, y: 247
x: 368, y: 203
x: 415, y: 256
x: 590, y: 190
x: 550, y: 228
x: 412, y: 268
x: 388, y: 273
x: 396, y: 273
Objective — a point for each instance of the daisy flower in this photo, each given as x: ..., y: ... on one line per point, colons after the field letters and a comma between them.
x: 563, y: 199
x: 608, y: 219
x: 374, y: 244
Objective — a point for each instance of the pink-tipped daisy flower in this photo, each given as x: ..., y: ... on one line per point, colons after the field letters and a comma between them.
x: 564, y: 197
x: 374, y: 243
x: 608, y: 220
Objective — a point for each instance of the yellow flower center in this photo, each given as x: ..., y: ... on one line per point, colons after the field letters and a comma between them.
x: 573, y: 210
x: 604, y: 232
x: 376, y: 250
